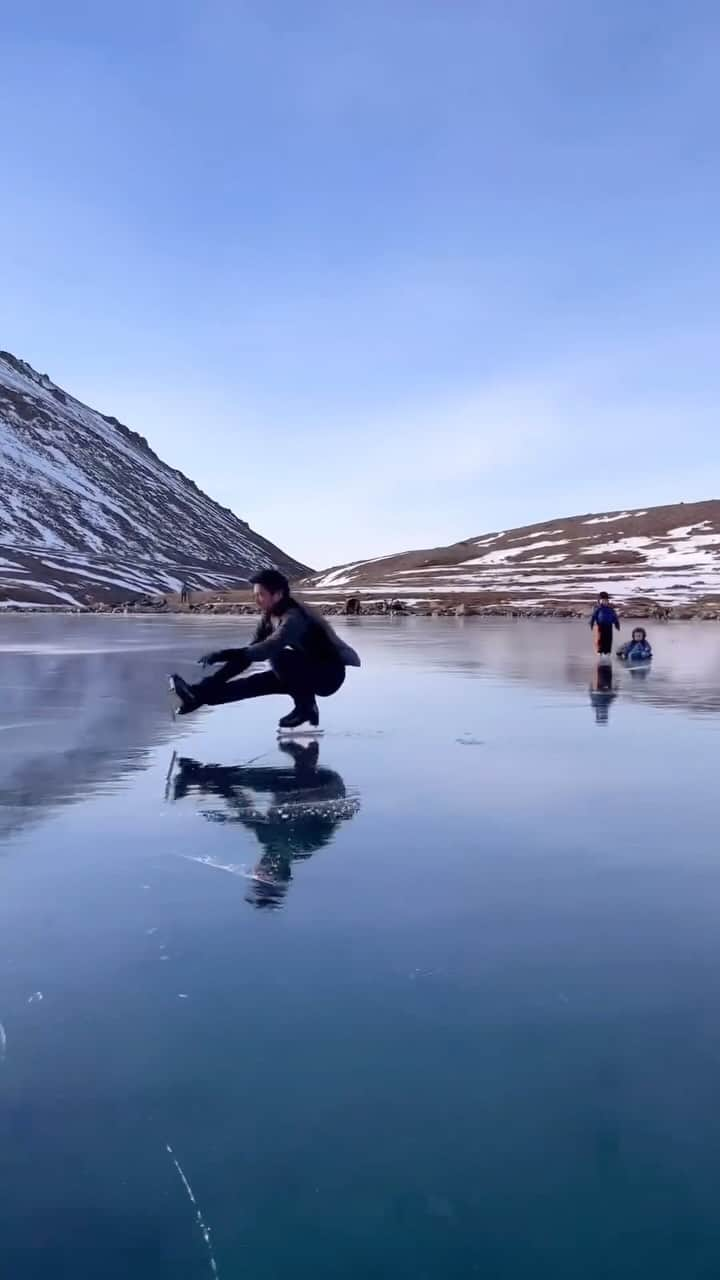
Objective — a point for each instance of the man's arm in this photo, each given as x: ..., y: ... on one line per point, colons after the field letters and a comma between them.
x: 262, y: 630
x: 593, y: 619
x: 220, y: 655
x: 291, y: 631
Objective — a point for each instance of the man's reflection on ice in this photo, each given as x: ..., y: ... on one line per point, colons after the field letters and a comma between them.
x: 292, y: 809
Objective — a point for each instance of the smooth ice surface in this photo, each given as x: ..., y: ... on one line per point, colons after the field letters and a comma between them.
x: 465, y: 1020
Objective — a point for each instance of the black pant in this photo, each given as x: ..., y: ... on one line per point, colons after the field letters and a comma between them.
x: 291, y: 672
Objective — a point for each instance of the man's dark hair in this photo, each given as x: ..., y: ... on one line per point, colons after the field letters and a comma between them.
x: 272, y: 580
x: 602, y: 596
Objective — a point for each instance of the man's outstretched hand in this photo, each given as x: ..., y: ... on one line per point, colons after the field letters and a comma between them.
x: 236, y: 656
x: 210, y: 659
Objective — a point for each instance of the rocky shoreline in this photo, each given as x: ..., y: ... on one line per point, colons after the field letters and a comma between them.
x: 147, y: 606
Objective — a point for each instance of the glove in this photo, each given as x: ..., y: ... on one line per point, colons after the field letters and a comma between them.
x: 238, y: 657
x: 212, y: 659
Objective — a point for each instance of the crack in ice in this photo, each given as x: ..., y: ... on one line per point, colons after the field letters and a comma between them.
x: 198, y: 1215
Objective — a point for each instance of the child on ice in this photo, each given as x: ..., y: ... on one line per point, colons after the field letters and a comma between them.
x: 638, y: 649
x: 603, y: 620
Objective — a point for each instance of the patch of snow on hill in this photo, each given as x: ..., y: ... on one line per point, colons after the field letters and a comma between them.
x: 684, y: 530
x: 499, y: 557
x: 622, y: 515
x: 541, y: 533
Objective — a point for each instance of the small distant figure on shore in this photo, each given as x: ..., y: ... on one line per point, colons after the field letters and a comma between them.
x: 638, y: 649
x: 603, y: 619
x: 184, y: 593
x: 353, y: 608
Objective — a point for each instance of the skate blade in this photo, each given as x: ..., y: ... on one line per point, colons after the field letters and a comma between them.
x: 304, y: 731
x: 174, y: 701
x: 173, y: 692
x: 170, y: 776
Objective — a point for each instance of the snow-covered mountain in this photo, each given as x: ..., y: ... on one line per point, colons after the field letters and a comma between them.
x: 665, y: 555
x: 89, y: 512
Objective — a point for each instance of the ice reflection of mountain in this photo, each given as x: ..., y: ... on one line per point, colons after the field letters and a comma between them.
x: 685, y: 672
x: 73, y: 720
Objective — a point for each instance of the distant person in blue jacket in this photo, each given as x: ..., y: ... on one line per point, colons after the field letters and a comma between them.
x: 603, y: 620
x: 638, y: 649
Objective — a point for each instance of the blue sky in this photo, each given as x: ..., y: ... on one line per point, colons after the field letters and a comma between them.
x: 376, y: 275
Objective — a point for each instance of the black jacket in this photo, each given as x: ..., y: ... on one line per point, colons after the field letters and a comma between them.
x: 297, y: 627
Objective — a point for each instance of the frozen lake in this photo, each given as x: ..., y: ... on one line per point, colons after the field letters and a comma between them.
x: 466, y: 1022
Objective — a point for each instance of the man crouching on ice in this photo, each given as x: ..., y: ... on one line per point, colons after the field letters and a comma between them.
x: 307, y: 659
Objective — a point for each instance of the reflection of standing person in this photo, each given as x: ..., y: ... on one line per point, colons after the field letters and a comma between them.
x: 602, y: 692
x: 603, y: 619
